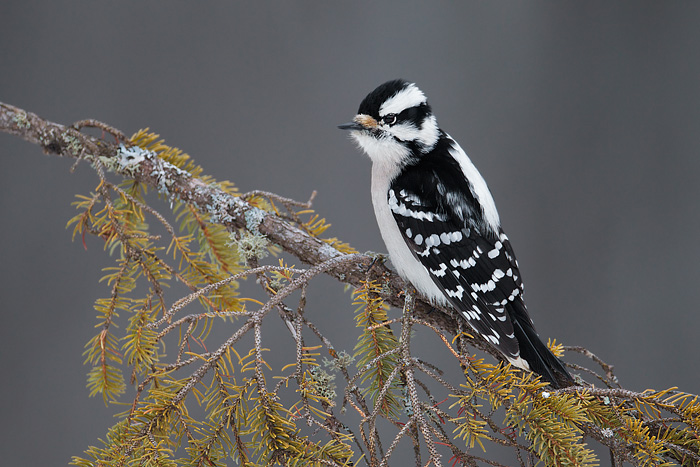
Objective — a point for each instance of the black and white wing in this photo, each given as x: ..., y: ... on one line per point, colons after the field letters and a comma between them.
x: 475, y: 269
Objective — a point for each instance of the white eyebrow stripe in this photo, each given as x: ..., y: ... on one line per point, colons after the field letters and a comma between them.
x: 408, y: 97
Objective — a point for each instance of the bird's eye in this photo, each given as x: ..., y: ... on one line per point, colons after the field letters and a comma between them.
x: 389, y: 119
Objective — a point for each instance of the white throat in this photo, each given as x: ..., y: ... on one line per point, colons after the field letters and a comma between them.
x: 384, y: 151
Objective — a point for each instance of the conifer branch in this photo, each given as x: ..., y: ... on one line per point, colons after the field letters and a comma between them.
x: 246, y: 419
x: 234, y: 211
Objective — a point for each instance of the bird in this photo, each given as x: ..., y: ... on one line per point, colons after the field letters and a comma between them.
x: 440, y: 225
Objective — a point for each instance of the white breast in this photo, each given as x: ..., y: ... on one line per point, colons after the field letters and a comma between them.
x: 388, y: 156
x: 401, y: 256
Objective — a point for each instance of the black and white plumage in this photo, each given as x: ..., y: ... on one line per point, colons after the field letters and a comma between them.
x: 441, y: 227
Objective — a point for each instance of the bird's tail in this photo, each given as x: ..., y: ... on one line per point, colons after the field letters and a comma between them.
x: 541, y: 360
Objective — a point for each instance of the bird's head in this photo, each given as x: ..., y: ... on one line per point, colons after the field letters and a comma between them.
x: 394, y: 121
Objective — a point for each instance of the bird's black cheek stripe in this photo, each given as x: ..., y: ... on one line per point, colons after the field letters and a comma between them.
x: 414, y: 115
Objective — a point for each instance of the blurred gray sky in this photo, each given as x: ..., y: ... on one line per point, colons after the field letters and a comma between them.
x: 582, y: 116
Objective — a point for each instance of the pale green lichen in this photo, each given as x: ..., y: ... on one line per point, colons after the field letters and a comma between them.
x: 407, y: 404
x: 253, y: 218
x: 249, y: 245
x: 108, y: 163
x: 278, y: 282
x: 163, y: 181
x: 74, y: 145
x: 127, y: 160
x: 21, y: 120
x: 322, y: 384
x: 218, y: 209
x: 328, y: 250
x: 385, y: 288
x: 343, y: 360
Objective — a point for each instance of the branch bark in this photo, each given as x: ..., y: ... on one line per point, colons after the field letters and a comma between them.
x: 234, y: 212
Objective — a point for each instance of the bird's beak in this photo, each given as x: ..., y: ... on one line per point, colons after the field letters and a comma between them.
x: 351, y: 126
x: 360, y: 122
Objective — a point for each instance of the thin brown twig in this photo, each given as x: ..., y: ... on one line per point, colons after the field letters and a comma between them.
x: 92, y: 123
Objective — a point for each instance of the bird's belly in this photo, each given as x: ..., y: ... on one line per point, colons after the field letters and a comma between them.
x: 401, y: 256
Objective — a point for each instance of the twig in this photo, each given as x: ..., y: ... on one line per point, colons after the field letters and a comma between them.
x: 410, y: 378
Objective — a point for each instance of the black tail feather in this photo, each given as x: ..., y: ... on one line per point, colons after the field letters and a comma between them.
x: 541, y: 360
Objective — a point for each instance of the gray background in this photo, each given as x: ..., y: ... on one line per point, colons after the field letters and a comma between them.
x: 582, y: 116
